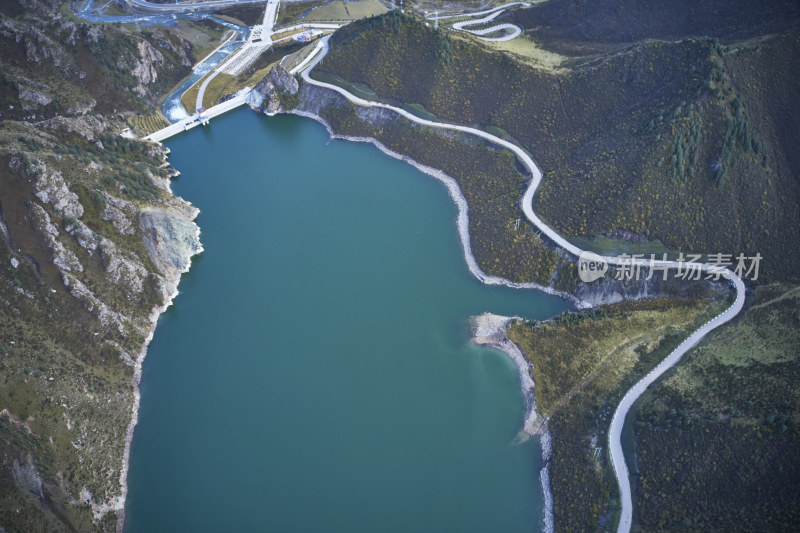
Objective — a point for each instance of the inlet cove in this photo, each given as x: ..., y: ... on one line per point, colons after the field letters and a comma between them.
x: 316, y: 371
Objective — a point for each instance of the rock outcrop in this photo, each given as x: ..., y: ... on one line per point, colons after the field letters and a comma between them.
x: 51, y: 189
x: 171, y: 238
x: 271, y: 94
x: 121, y: 270
x: 145, y: 67
x: 119, y: 212
x: 32, y: 98
x: 106, y: 315
x: 27, y: 477
x: 63, y: 258
x: 85, y: 237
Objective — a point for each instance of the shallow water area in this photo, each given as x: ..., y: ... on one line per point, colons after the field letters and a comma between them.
x: 315, y: 373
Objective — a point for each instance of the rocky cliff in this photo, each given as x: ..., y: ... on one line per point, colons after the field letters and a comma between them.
x: 91, y: 254
x: 276, y: 92
x: 92, y: 246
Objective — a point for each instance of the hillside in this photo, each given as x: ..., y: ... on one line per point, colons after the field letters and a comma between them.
x: 572, y: 26
x: 86, y: 218
x: 716, y: 443
x: 582, y: 365
x: 681, y: 140
x: 55, y: 64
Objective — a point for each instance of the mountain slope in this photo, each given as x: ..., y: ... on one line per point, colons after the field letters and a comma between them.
x: 85, y: 219
x: 662, y: 141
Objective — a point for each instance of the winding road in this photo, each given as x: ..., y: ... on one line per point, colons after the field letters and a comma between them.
x: 485, y: 11
x: 618, y: 420
x: 514, y: 30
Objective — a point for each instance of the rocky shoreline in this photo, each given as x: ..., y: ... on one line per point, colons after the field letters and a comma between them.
x: 462, y: 220
x: 490, y: 330
x: 172, y: 239
x: 487, y: 329
x: 312, y: 101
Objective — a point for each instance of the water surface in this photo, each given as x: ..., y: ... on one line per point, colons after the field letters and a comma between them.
x: 315, y: 372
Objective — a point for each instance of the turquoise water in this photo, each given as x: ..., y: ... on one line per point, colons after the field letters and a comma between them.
x: 315, y: 372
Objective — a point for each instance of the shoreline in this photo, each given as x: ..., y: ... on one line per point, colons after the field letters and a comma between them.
x: 533, y: 424
x: 172, y: 282
x: 490, y: 330
x: 462, y: 218
x: 615, y: 429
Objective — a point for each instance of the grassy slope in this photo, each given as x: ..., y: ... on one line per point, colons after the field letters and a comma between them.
x: 226, y: 84
x: 246, y: 15
x: 341, y: 10
x: 582, y: 365
x: 142, y: 125
x: 609, y: 128
x: 291, y: 12
x: 726, y: 424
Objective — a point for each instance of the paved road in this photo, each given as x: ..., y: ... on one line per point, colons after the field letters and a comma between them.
x: 515, y: 30
x: 260, y: 39
x: 615, y: 430
x: 202, y: 91
x: 310, y: 57
x: 313, y: 25
x: 183, y: 8
x: 491, y: 14
x: 484, y: 12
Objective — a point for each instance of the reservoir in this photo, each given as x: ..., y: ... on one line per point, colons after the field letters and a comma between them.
x: 315, y: 373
